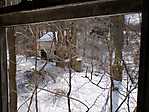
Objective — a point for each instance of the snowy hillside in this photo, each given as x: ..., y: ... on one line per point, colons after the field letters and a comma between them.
x: 86, y: 95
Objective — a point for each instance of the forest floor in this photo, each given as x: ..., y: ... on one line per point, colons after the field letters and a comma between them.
x: 54, y: 85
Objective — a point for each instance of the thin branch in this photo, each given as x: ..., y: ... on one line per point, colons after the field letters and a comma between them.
x: 69, y: 91
x: 75, y: 99
x: 95, y: 83
x: 126, y: 97
x: 127, y: 71
x: 31, y: 99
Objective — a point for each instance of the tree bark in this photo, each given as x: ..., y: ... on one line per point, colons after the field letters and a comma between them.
x: 12, y: 70
x: 3, y: 72
x: 117, y: 68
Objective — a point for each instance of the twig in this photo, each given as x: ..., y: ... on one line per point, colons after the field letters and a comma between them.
x: 127, y: 71
x: 92, y: 69
x: 36, y: 98
x: 125, y: 98
x: 69, y: 91
x: 93, y: 103
x: 75, y: 99
x: 31, y: 99
x: 95, y: 83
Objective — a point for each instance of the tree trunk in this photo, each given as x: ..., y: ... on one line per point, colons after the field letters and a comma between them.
x: 3, y: 72
x: 12, y: 70
x: 12, y: 64
x: 116, y: 68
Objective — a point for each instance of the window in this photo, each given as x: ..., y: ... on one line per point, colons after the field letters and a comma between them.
x: 66, y: 58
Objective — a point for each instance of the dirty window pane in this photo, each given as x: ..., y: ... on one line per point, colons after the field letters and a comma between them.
x: 83, y: 65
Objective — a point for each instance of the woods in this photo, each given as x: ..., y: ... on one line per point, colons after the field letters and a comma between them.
x: 94, y: 54
x: 89, y: 64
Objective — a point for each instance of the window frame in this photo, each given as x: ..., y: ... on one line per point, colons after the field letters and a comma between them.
x: 11, y: 15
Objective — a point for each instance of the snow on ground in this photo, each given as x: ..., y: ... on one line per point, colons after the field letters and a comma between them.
x: 82, y: 89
